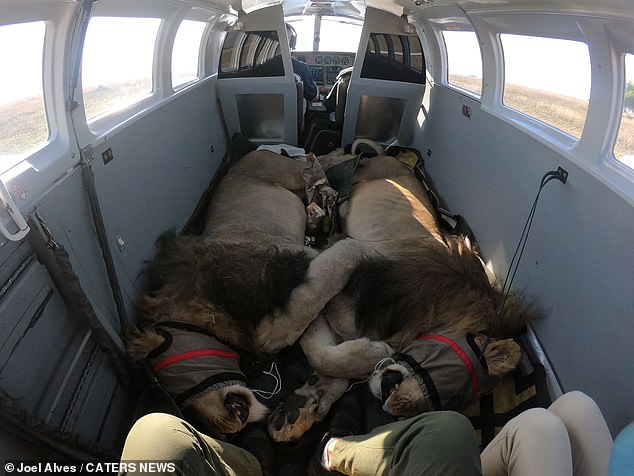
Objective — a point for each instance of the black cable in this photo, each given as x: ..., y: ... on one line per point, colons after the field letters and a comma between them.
x: 559, y: 174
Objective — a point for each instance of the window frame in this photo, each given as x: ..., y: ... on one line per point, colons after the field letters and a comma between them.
x: 200, y: 73
x: 617, y: 161
x: 608, y: 39
x: 567, y: 137
x: 12, y: 159
x: 556, y: 26
x: 106, y: 118
x: 445, y: 52
x: 171, y: 15
x: 34, y: 173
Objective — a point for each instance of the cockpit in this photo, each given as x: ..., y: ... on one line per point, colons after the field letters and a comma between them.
x: 325, y: 68
x: 353, y: 74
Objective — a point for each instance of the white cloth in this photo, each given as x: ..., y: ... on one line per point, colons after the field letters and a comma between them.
x: 291, y: 150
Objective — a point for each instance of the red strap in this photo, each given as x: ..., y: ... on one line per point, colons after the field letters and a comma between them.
x: 192, y: 354
x: 464, y: 357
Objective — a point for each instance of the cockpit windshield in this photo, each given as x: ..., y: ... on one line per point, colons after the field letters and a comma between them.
x: 326, y: 33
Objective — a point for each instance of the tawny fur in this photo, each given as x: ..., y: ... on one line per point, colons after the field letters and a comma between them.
x: 408, y: 278
x: 242, y: 268
x: 396, y: 272
x: 141, y: 343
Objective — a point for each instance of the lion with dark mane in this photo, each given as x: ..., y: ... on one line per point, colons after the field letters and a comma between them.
x: 221, y: 284
x: 208, y: 295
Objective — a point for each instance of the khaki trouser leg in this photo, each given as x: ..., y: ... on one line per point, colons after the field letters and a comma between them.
x: 571, y: 437
x: 590, y: 438
x: 163, y: 437
x: 436, y: 443
x: 534, y: 442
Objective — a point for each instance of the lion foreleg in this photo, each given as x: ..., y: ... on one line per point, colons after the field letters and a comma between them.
x: 349, y: 359
x: 327, y: 275
x: 305, y: 407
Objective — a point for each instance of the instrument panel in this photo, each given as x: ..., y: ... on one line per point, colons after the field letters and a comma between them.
x: 325, y: 65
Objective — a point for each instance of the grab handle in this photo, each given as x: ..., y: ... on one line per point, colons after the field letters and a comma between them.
x: 9, y: 205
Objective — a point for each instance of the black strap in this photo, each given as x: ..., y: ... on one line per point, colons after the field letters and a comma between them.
x: 166, y: 344
x: 340, y: 178
x: 60, y: 269
x: 208, y: 382
x: 429, y: 382
x: 476, y: 350
x: 450, y: 222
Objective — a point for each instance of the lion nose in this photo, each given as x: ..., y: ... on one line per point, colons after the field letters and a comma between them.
x: 237, y: 404
x: 389, y: 381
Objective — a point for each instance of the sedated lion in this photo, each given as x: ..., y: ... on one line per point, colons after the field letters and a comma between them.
x: 209, y: 294
x: 423, y: 292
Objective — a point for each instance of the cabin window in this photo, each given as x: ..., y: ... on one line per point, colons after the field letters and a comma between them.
x: 394, y: 58
x: 251, y: 54
x: 23, y: 123
x: 186, y: 51
x: 117, y: 63
x: 548, y: 79
x: 624, y: 147
x: 464, y: 60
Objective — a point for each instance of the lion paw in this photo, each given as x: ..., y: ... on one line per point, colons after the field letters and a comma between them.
x: 295, y: 416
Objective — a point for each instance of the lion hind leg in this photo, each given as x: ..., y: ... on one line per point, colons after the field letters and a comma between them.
x: 354, y: 358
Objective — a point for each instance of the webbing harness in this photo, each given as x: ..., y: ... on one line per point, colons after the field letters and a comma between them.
x: 191, y: 360
x: 447, y: 369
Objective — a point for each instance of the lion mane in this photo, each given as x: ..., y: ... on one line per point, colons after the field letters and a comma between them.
x: 226, y: 287
x: 441, y: 286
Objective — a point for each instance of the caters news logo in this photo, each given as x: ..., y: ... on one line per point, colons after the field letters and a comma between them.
x: 39, y: 467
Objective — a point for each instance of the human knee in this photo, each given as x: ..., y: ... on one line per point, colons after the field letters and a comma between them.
x: 155, y: 425
x: 574, y: 403
x: 444, y: 443
x: 158, y: 436
x: 537, y: 422
x: 450, y: 428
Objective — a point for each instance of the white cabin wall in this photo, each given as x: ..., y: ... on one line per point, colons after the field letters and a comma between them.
x: 60, y: 381
x: 579, y: 260
x: 163, y: 162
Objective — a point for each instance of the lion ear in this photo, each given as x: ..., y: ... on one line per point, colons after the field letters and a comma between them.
x: 141, y: 343
x: 502, y: 356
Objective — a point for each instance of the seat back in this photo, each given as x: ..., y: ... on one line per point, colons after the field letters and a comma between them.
x: 264, y: 111
x: 387, y: 82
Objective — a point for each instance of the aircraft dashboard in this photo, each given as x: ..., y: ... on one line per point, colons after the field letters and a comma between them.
x: 325, y: 66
